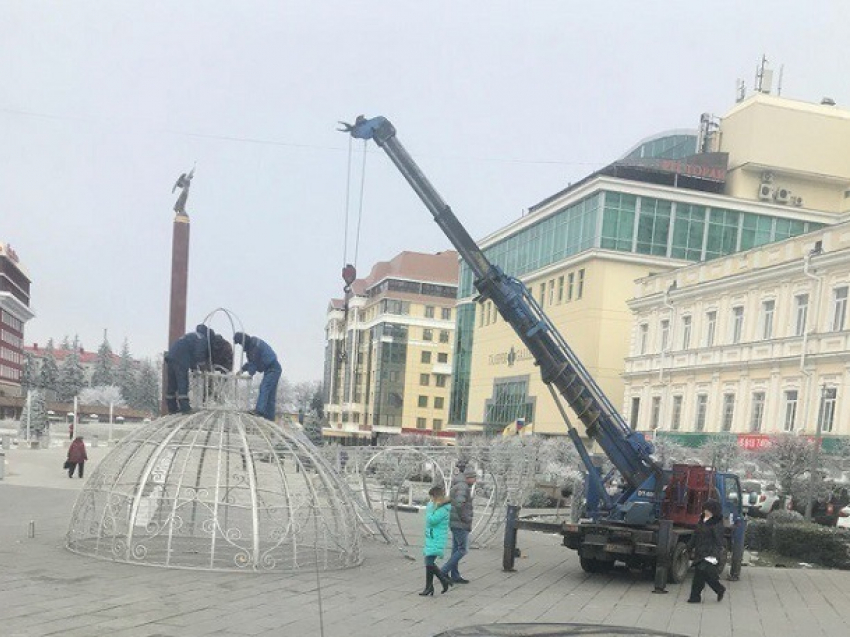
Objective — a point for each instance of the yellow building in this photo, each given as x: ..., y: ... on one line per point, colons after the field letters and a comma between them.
x: 675, y: 198
x: 388, y: 356
x: 753, y: 343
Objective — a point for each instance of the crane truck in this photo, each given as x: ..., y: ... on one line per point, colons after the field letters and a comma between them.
x: 649, y: 522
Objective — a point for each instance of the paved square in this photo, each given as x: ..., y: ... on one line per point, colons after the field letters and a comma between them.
x: 46, y: 590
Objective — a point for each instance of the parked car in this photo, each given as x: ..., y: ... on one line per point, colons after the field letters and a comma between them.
x: 844, y: 518
x: 760, y: 498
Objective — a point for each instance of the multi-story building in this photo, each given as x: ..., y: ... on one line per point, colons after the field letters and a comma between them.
x: 14, y: 313
x: 388, y: 356
x: 752, y: 178
x: 751, y: 344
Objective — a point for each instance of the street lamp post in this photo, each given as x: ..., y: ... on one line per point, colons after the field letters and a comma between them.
x: 816, y: 453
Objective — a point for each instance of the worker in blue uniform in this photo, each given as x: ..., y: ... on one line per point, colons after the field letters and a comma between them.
x: 188, y: 352
x: 261, y: 358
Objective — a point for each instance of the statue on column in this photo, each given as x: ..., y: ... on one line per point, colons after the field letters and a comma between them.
x: 183, y: 182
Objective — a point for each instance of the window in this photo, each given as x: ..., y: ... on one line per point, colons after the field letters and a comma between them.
x: 702, y: 407
x: 676, y: 416
x: 420, y: 423
x: 446, y: 313
x: 580, y: 284
x: 426, y: 357
x: 686, y: 332
x: 801, y: 312
x: 444, y: 336
x: 728, y: 411
x: 688, y: 232
x: 438, y: 424
x: 643, y: 336
x: 560, y: 289
x: 427, y: 334
x: 440, y: 380
x: 438, y: 402
x: 768, y: 309
x: 570, y: 285
x: 633, y: 420
x: 790, y: 409
x: 710, y: 327
x: 442, y: 357
x: 665, y: 334
x: 423, y: 401
x: 542, y: 293
x: 839, y: 308
x: 429, y: 311
x: 656, y: 411
x: 758, y: 411
x: 737, y: 323
x: 551, y: 291
x: 424, y: 379
x: 826, y: 415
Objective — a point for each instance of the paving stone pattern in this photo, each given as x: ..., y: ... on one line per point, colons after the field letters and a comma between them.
x: 46, y: 590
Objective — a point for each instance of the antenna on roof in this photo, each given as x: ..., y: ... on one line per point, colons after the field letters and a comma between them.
x: 779, y: 83
x: 764, y: 77
x: 740, y: 90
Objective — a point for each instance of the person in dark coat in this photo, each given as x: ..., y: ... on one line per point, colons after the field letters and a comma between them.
x: 261, y: 358
x: 437, y: 514
x: 707, y: 545
x: 202, y: 349
x: 77, y: 457
x: 461, y: 521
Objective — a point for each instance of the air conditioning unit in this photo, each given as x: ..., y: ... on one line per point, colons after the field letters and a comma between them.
x: 783, y: 195
x: 767, y: 177
x: 766, y: 192
x: 797, y: 201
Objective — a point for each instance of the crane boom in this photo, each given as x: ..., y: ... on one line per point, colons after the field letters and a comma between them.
x: 559, y: 366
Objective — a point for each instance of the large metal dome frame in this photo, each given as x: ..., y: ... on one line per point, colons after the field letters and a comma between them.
x: 218, y: 489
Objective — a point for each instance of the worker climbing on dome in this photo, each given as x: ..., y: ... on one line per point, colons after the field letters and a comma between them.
x: 261, y: 358
x: 201, y: 349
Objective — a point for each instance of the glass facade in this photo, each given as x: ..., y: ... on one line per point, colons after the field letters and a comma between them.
x: 391, y: 342
x: 625, y: 223
x: 668, y: 147
x: 509, y: 403
x: 462, y: 366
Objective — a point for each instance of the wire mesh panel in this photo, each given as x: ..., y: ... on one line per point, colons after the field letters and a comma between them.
x: 218, y: 489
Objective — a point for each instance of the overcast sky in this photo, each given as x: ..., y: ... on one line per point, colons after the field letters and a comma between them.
x: 104, y: 104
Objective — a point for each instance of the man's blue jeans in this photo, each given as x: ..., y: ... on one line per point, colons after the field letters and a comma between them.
x: 460, y: 547
x: 268, y: 392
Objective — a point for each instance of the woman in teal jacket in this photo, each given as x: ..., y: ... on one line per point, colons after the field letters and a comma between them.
x: 437, y: 515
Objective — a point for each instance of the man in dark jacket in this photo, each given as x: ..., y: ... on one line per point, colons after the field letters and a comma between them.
x: 461, y: 521
x: 186, y: 353
x: 261, y: 358
x: 707, y: 545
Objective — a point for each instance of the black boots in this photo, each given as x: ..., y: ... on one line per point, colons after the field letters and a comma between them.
x: 430, y: 572
x: 444, y: 580
x: 429, y: 582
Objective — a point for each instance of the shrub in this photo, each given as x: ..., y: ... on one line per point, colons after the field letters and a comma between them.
x: 815, y: 544
x: 781, y: 516
x: 540, y: 500
x: 758, y: 537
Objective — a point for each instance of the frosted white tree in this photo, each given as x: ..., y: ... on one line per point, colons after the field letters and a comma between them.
x: 48, y: 373
x: 104, y: 370
x: 39, y: 423
x: 146, y: 391
x: 72, y: 378
x: 102, y: 395
x: 125, y: 375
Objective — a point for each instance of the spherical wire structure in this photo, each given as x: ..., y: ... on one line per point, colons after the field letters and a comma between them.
x: 217, y: 489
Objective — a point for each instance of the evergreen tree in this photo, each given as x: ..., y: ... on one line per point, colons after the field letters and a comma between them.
x: 48, y: 374
x: 146, y: 394
x: 29, y: 375
x: 39, y: 424
x: 104, y: 373
x: 317, y: 403
x: 64, y: 345
x: 125, y: 375
x: 72, y: 378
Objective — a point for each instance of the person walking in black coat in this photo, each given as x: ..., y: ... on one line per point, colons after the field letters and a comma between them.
x: 707, y: 544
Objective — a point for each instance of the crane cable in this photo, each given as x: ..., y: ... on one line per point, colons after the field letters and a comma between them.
x: 349, y: 270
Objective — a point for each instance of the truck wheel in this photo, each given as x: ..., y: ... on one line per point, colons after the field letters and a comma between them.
x: 679, y: 564
x: 592, y: 565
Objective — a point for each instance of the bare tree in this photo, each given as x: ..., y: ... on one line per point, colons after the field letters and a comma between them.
x: 787, y: 457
